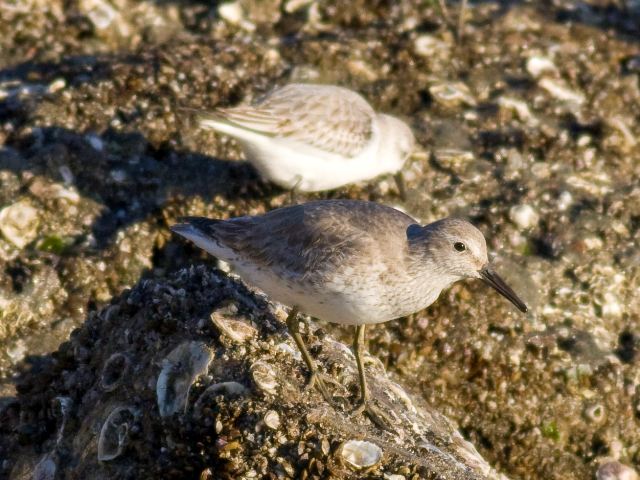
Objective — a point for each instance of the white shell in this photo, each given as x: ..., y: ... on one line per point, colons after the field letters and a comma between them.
x: 561, y: 91
x: 452, y: 94
x: 114, y: 434
x: 228, y: 389
x: 62, y: 410
x: 19, y: 223
x: 595, y: 413
x: 264, y: 377
x: 114, y: 371
x: 62, y: 406
x: 360, y: 453
x: 236, y: 330
x: 524, y: 216
x: 180, y: 369
x: 272, y: 419
x: 537, y: 66
x: 289, y: 350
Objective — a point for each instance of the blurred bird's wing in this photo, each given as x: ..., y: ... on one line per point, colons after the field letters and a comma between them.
x: 329, y: 118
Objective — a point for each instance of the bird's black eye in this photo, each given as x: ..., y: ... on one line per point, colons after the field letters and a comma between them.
x: 459, y: 246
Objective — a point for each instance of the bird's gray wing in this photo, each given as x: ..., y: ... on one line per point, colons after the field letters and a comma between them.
x: 331, y: 119
x: 312, y: 239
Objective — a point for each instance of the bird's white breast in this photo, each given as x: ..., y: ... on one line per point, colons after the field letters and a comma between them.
x: 350, y: 298
x: 292, y: 165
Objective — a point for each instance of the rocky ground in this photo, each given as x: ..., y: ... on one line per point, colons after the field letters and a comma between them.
x: 530, y: 121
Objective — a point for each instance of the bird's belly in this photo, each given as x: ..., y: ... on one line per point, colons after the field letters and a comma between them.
x: 356, y: 304
x: 301, y: 169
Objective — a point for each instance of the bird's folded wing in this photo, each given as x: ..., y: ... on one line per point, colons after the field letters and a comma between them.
x: 307, y: 241
x: 333, y: 121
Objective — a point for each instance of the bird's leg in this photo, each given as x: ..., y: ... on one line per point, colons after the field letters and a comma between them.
x: 461, y: 19
x: 358, y: 343
x: 294, y: 193
x: 400, y: 183
x: 364, y: 405
x: 316, y: 379
x: 444, y: 10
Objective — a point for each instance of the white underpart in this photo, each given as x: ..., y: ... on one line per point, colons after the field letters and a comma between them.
x: 347, y: 298
x: 291, y: 164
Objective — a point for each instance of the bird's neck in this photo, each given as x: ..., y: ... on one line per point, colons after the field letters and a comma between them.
x: 429, y: 278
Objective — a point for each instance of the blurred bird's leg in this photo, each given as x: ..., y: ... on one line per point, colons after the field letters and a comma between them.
x: 400, y: 183
x: 294, y: 192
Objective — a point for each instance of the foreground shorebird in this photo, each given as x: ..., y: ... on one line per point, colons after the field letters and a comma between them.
x: 316, y: 137
x: 349, y: 262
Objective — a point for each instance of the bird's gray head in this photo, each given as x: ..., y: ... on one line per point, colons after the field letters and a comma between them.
x: 457, y: 249
x: 404, y: 141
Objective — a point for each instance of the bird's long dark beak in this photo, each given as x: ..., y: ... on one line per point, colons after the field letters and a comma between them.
x: 489, y: 275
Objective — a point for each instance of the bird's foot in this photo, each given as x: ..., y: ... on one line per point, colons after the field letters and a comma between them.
x: 376, y: 415
x: 318, y: 380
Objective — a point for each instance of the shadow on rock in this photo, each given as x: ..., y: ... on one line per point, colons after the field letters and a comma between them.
x: 125, y: 175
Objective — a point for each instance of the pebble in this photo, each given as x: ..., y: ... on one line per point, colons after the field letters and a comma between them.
x: 615, y: 470
x: 100, y: 13
x: 561, y: 92
x: 232, y: 12
x: 524, y: 216
x: 537, y: 66
x: 95, y: 142
x: 428, y: 46
x: 57, y: 85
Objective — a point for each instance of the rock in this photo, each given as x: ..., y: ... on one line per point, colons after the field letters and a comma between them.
x: 130, y: 422
x: 45, y: 469
x: 468, y: 355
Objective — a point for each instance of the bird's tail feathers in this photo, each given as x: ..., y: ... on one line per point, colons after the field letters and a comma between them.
x: 205, y: 226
